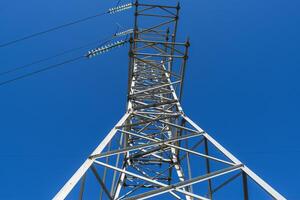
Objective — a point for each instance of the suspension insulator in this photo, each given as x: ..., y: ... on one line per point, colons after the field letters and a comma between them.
x: 105, y: 48
x: 119, y: 8
x: 124, y: 32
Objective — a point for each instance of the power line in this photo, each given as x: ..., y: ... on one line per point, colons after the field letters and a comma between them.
x: 41, y: 70
x: 102, y: 49
x: 50, y: 30
x: 90, y: 54
x: 53, y: 56
x: 101, y: 42
x: 110, y: 11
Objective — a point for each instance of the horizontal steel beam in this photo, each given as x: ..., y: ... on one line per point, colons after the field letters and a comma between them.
x: 159, y: 42
x: 67, y: 188
x: 151, y: 181
x: 183, y: 184
x: 271, y: 191
x: 137, y: 147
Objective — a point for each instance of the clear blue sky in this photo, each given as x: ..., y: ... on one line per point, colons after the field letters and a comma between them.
x: 242, y: 87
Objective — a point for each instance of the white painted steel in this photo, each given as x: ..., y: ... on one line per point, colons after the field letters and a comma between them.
x: 250, y: 173
x: 66, y: 189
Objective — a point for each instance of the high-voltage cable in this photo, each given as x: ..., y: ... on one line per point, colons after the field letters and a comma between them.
x: 109, y: 11
x: 102, y: 49
x: 45, y: 59
x: 103, y: 42
x: 41, y: 70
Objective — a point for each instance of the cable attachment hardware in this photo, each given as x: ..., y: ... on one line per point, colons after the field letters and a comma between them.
x: 105, y: 48
x: 124, y: 32
x: 119, y: 8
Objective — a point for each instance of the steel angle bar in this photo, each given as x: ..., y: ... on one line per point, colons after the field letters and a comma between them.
x: 192, y: 148
x: 271, y: 191
x: 225, y: 182
x: 157, y: 67
x: 94, y: 170
x: 173, y: 165
x: 146, y: 62
x: 156, y: 33
x: 67, y: 188
x: 132, y: 148
x: 82, y: 187
x: 142, y: 122
x: 156, y: 47
x: 245, y: 186
x: 114, y: 181
x: 147, y: 45
x: 178, y: 147
x: 208, y: 168
x: 156, y: 105
x: 159, y: 42
x: 143, y: 13
x: 194, y: 152
x: 160, y: 6
x: 188, y: 162
x: 182, y: 184
x: 137, y: 187
x: 174, y: 35
x: 180, y: 127
x: 156, y: 118
x: 152, y: 96
x: 130, y: 68
x: 153, y: 15
x: 163, y: 51
x: 157, y: 55
x: 154, y: 154
x: 150, y: 151
x: 182, y: 73
x: 151, y: 181
x: 121, y: 179
x: 165, y: 98
x: 145, y: 9
x: 123, y: 171
x: 105, y: 169
x: 214, y: 142
x: 141, y: 171
x: 155, y: 113
x: 178, y: 51
x: 156, y: 26
x: 151, y: 37
x: 264, y: 185
x: 173, y: 91
x: 138, y: 99
x: 170, y: 12
x: 157, y: 87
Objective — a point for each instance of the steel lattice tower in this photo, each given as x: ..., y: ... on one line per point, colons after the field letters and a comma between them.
x: 155, y: 149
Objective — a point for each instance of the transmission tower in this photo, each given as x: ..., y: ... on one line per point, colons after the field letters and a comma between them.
x: 155, y: 150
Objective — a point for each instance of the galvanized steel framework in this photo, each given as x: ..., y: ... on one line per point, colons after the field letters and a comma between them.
x: 155, y: 149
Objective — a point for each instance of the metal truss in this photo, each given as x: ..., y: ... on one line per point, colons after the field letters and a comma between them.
x: 155, y: 149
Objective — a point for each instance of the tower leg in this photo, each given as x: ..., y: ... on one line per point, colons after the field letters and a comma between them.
x: 67, y: 188
x: 245, y: 186
x: 208, y: 169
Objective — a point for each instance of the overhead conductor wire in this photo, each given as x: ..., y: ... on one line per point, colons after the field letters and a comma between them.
x: 48, y: 58
x: 110, y: 11
x: 92, y: 53
x: 40, y: 70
